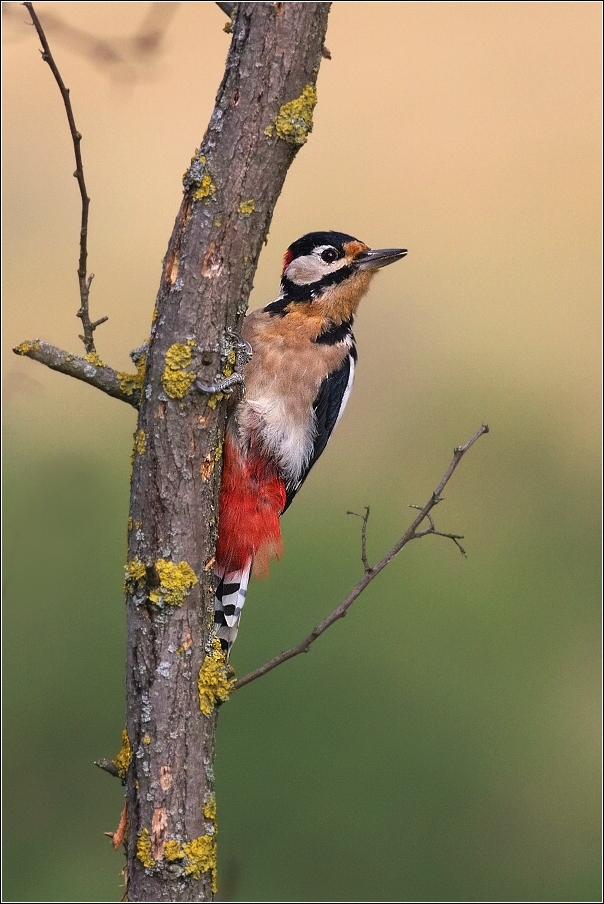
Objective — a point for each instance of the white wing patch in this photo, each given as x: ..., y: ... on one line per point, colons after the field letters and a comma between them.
x: 347, y: 391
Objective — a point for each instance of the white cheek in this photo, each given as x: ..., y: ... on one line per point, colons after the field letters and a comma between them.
x: 310, y: 269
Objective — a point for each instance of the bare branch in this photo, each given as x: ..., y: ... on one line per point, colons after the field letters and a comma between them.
x: 227, y: 8
x: 365, y: 519
x: 438, y: 533
x: 83, y: 278
x: 108, y: 766
x: 123, y: 386
x: 410, y: 534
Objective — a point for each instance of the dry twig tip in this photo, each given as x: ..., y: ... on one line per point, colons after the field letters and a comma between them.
x: 84, y: 280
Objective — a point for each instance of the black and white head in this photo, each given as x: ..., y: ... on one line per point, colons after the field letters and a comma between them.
x: 321, y: 260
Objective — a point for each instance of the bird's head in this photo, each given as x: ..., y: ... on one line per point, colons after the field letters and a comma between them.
x: 331, y: 271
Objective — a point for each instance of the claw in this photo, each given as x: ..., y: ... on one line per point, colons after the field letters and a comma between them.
x: 226, y: 384
x: 243, y: 353
x: 243, y: 349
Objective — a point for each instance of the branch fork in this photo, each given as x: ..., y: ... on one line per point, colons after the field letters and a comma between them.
x: 371, y: 572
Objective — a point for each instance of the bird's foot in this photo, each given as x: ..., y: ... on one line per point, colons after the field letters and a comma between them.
x: 225, y: 384
x: 243, y: 353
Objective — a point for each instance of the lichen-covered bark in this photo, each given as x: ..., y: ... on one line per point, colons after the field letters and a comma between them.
x: 262, y: 116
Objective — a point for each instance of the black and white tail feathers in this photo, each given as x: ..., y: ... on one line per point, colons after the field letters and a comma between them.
x: 231, y: 588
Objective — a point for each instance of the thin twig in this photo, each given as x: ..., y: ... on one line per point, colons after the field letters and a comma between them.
x: 439, y: 533
x: 365, y: 519
x: 410, y: 534
x: 123, y: 386
x: 83, y: 279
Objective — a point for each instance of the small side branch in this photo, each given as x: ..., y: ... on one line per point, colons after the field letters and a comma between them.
x: 439, y: 533
x: 84, y: 279
x: 108, y: 766
x: 227, y: 8
x: 412, y: 533
x: 123, y: 386
x: 364, y: 518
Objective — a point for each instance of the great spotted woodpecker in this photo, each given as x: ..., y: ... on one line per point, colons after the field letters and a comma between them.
x: 297, y: 383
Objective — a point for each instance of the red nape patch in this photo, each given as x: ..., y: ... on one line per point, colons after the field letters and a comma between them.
x: 287, y: 259
x: 252, y: 497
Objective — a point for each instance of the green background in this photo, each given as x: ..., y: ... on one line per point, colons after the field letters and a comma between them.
x: 443, y: 741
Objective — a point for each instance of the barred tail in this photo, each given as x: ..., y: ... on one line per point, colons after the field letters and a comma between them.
x: 231, y: 588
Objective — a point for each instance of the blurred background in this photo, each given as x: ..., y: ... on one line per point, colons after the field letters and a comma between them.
x: 442, y: 742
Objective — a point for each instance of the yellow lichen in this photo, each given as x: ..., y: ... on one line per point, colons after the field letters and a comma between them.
x: 133, y: 525
x: 140, y: 442
x: 229, y: 365
x: 173, y: 851
x: 175, y: 379
x: 214, y: 683
x: 227, y: 370
x: 146, y: 739
x: 293, y: 122
x: 130, y: 383
x: 93, y: 358
x: 246, y: 208
x: 124, y: 757
x: 175, y: 583
x: 201, y: 856
x: 199, y: 178
x: 209, y: 809
x: 143, y: 849
x: 26, y: 347
x: 135, y: 574
x: 218, y: 452
x: 207, y: 188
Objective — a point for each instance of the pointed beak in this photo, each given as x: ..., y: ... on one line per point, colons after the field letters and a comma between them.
x: 374, y: 259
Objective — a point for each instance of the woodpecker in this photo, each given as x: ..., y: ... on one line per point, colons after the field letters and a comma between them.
x: 297, y: 383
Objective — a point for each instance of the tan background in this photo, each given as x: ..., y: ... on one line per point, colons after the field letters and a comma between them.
x: 442, y: 743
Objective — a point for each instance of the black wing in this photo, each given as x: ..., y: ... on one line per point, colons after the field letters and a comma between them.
x: 328, y: 405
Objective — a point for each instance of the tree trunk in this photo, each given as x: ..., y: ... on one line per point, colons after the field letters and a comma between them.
x: 176, y: 675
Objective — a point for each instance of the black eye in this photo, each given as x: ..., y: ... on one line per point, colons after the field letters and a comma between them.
x: 329, y: 255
